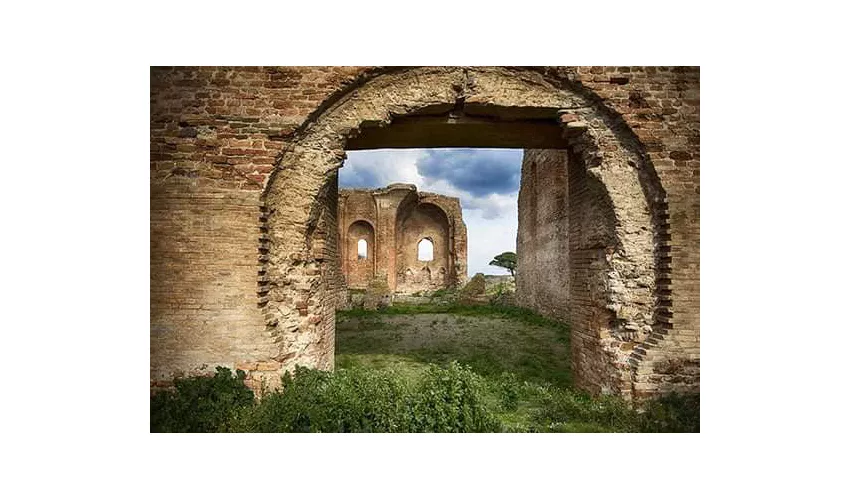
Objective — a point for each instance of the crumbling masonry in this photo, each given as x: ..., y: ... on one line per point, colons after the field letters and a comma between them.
x: 392, y: 223
x: 245, y: 241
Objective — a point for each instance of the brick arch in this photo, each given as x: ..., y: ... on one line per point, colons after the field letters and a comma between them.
x: 598, y: 140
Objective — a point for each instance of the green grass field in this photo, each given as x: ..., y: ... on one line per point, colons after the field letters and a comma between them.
x: 523, y: 359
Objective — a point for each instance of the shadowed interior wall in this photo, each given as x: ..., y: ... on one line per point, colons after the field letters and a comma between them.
x: 566, y: 213
x: 543, y: 253
x: 423, y: 221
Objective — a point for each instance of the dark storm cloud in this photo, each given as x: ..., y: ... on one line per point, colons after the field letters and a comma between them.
x: 479, y: 172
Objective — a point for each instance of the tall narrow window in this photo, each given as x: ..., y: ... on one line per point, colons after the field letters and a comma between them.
x: 426, y: 250
x: 362, y: 249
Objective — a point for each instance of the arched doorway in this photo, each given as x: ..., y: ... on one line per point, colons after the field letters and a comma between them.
x: 480, y: 107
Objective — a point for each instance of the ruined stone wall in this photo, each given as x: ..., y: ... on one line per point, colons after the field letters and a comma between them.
x: 606, y: 329
x: 214, y: 135
x: 218, y: 133
x: 357, y: 220
x: 403, y: 217
x: 598, y: 349
x: 661, y: 105
x: 456, y: 249
x: 543, y: 252
x: 423, y: 221
x: 204, y: 242
x: 565, y: 236
x: 323, y: 244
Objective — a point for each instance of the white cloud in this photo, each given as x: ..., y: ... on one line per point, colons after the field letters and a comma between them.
x: 379, y: 167
x: 494, y: 206
x: 488, y: 238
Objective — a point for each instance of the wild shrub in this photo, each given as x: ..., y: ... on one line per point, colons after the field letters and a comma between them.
x: 672, y: 413
x: 509, y: 388
x: 451, y: 400
x: 364, y: 400
x: 200, y: 404
x: 349, y: 400
x: 443, y: 293
x: 560, y: 406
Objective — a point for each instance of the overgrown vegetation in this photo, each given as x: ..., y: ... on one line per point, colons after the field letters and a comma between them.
x: 424, y: 368
x: 452, y: 399
x: 358, y: 400
x: 200, y: 404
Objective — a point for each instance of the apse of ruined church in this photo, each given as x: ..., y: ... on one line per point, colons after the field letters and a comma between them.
x: 415, y: 241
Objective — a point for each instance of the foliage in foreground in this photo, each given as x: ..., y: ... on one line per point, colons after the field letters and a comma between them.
x: 451, y: 399
x: 357, y: 400
x: 200, y: 404
x: 570, y: 411
x: 363, y: 400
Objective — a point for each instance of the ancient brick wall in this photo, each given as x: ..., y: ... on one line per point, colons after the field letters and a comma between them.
x: 543, y: 253
x: 404, y: 217
x: 413, y: 274
x: 606, y: 333
x: 217, y: 134
x: 661, y: 106
x: 204, y: 242
x: 214, y: 135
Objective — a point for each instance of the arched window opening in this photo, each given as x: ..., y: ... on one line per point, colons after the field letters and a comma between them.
x: 426, y: 250
x: 362, y: 249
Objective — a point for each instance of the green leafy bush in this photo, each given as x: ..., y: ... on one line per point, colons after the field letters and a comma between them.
x: 362, y: 400
x: 672, y: 413
x: 350, y: 400
x: 509, y: 388
x: 451, y: 400
x: 200, y: 404
x: 560, y: 406
x: 443, y: 293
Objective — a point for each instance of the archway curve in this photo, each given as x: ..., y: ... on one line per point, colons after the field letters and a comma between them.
x: 596, y: 136
x: 359, y: 271
x: 361, y: 220
x: 446, y: 244
x: 418, y: 221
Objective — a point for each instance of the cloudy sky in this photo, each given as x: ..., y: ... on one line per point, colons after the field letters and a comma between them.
x: 485, y: 180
